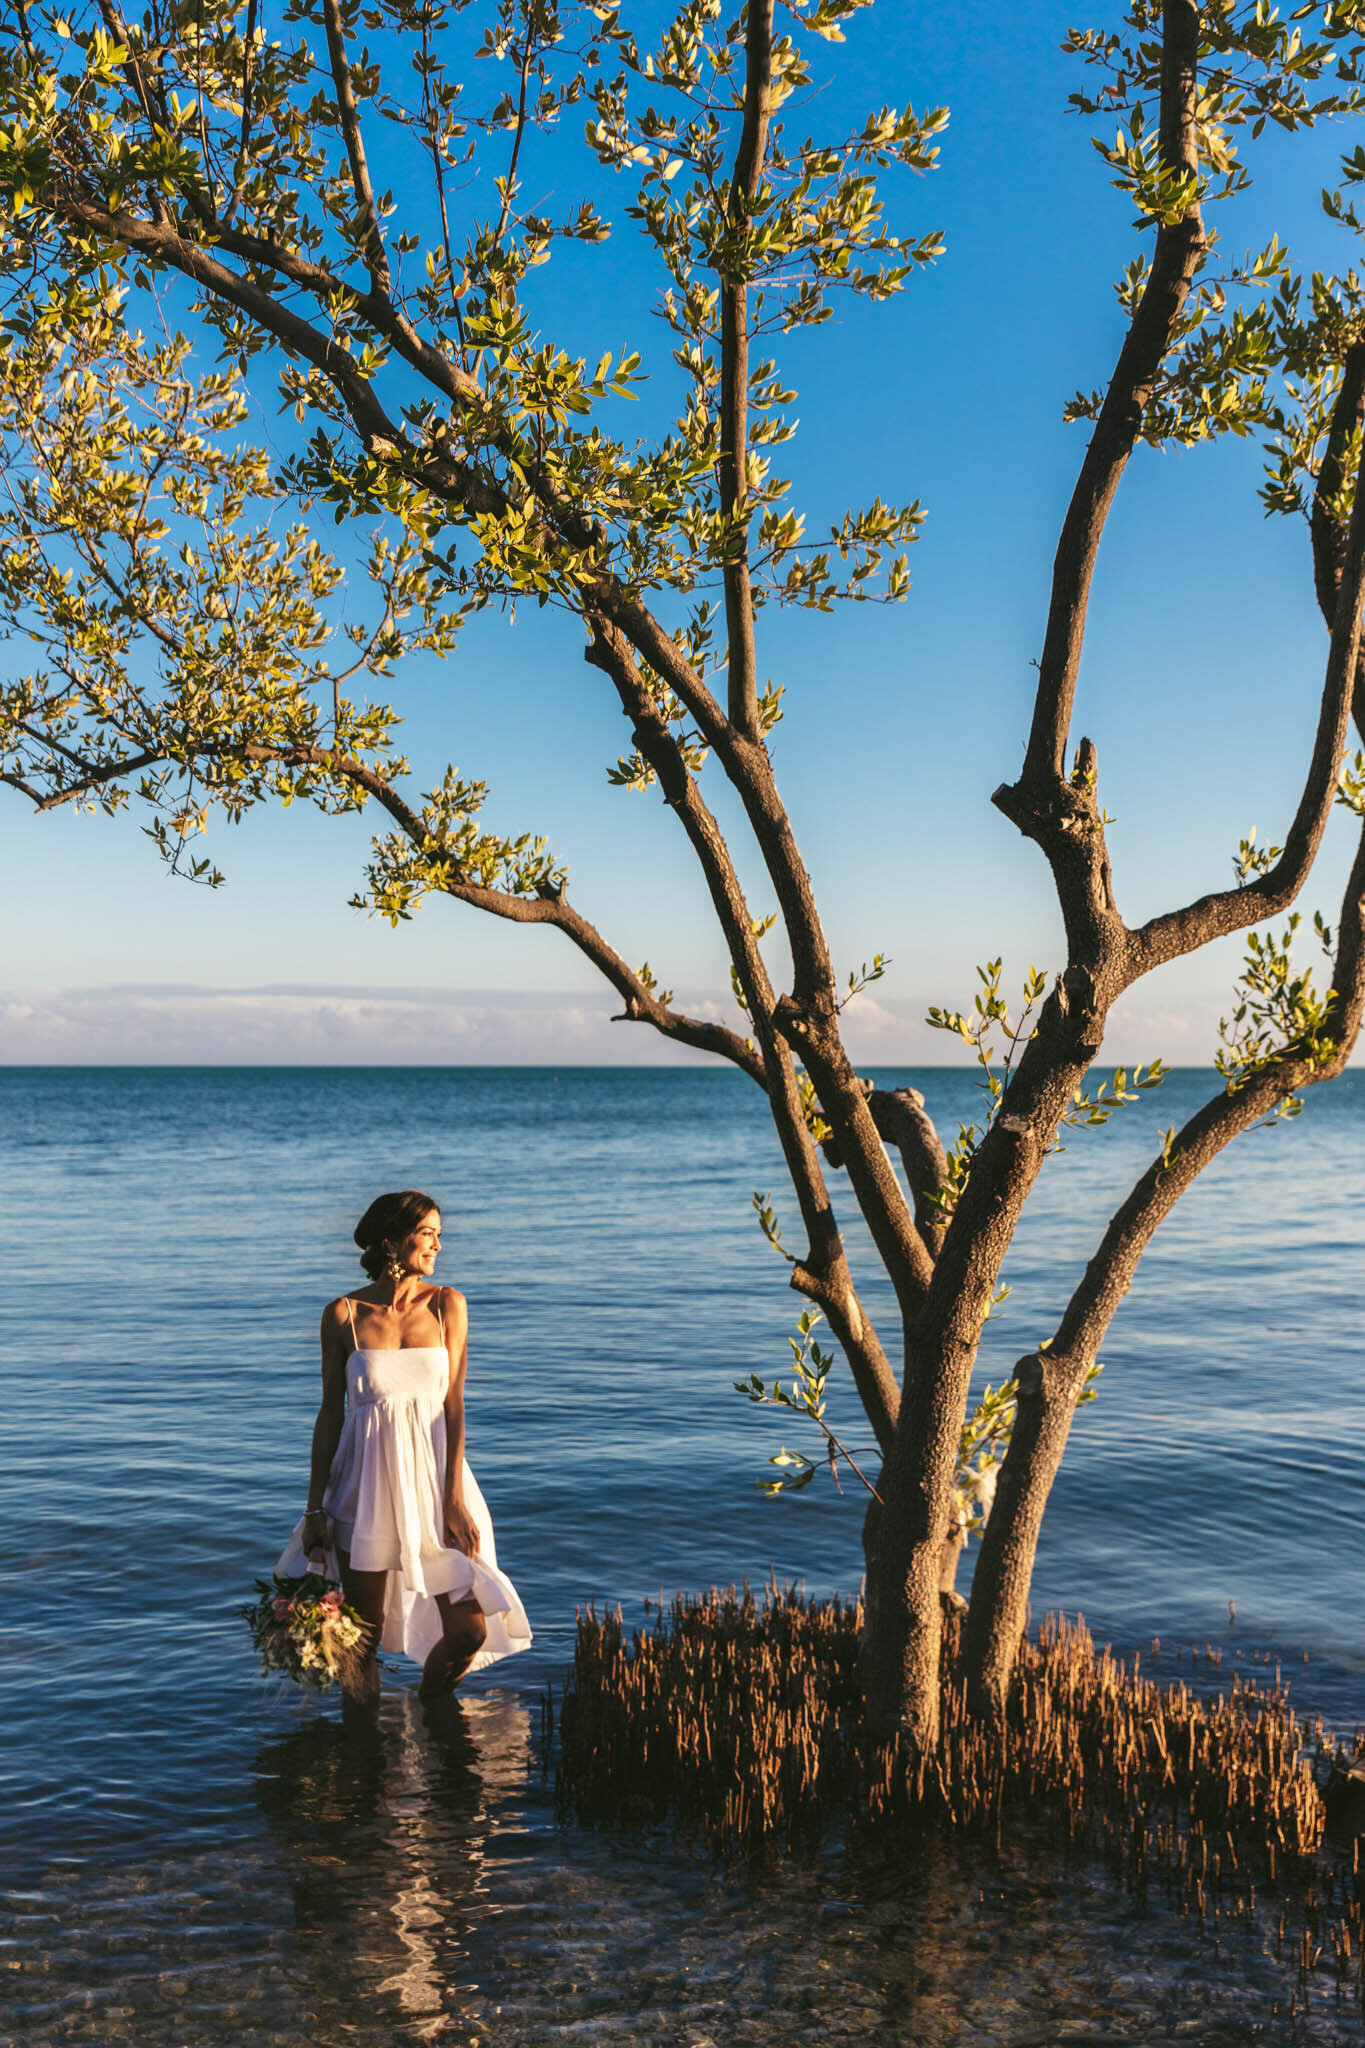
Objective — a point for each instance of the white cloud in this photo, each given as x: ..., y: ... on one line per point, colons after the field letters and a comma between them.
x: 302, y: 1025
x: 151, y: 1025
x: 316, y: 1026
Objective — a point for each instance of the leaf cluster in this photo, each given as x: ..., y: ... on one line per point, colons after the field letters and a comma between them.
x: 248, y: 141
x: 182, y: 646
x: 981, y: 1448
x: 452, y: 855
x: 995, y: 1038
x: 1280, y: 1014
x: 1246, y: 354
x: 804, y: 1395
x: 1095, y: 1106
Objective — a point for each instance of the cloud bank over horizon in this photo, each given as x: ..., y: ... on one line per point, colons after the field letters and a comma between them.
x: 146, y: 1024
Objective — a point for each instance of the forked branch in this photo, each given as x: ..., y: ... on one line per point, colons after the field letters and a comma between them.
x: 1052, y: 1381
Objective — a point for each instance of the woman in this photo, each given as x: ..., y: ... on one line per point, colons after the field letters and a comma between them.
x: 390, y: 1492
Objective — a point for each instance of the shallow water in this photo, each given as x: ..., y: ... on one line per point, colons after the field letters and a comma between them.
x: 192, y: 1856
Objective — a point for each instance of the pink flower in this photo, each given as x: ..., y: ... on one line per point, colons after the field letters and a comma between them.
x: 332, y: 1598
x: 281, y: 1610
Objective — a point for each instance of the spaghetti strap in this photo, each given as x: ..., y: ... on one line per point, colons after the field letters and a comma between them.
x: 350, y: 1313
x: 436, y: 1311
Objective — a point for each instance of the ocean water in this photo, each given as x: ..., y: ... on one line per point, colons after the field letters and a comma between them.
x: 191, y: 1855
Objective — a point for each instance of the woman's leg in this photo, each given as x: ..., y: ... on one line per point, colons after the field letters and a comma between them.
x: 463, y: 1631
x: 365, y: 1592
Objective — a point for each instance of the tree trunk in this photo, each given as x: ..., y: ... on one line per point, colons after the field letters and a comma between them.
x: 954, y: 1543
x: 902, y: 1631
x: 902, y: 1635
x: 905, y: 1545
x: 998, y: 1614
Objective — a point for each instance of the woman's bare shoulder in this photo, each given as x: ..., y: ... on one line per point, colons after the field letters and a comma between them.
x: 337, y: 1314
x: 449, y: 1300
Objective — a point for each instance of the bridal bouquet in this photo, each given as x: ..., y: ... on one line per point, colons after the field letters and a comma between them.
x: 304, y: 1628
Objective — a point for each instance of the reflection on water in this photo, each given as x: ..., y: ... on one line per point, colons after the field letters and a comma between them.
x: 386, y: 1843
x: 350, y: 1921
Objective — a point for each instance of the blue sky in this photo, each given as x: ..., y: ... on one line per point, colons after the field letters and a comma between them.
x: 899, y: 721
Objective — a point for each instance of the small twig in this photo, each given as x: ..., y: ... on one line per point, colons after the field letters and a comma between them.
x: 510, y: 186
x: 438, y: 166
x: 248, y: 79
x: 848, y: 1458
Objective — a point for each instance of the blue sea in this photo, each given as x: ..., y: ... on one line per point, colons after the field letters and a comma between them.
x: 192, y: 1858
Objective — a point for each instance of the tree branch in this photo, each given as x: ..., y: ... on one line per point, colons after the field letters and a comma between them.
x: 1071, y: 1025
x: 152, y: 114
x: 376, y: 259
x: 862, y: 1154
x: 381, y: 436
x: 151, y: 238
x: 376, y: 306
x: 748, y: 768
x: 1109, y: 1275
x: 1327, y: 529
x: 457, y: 482
x: 248, y: 80
x: 13, y: 781
x: 92, y: 776
x: 1213, y: 916
x: 825, y: 1264
x: 642, y: 1005
x: 609, y: 651
x: 1179, y: 249
x: 734, y: 369
x: 1051, y: 1381
x: 903, y: 1121
x: 1067, y: 822
x: 510, y: 186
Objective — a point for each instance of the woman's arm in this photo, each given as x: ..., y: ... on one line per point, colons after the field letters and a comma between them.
x: 460, y: 1528
x: 327, y: 1429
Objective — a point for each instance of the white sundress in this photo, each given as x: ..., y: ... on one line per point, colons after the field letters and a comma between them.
x: 384, y: 1495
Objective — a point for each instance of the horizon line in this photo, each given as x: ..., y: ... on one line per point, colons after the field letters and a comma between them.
x: 717, y: 1065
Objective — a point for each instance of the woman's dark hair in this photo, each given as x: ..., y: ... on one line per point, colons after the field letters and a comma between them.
x: 386, y: 1223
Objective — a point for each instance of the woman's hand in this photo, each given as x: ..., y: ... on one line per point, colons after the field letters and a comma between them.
x: 316, y: 1531
x: 461, y: 1528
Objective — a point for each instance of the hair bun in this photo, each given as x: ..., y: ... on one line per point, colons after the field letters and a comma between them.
x: 388, y: 1222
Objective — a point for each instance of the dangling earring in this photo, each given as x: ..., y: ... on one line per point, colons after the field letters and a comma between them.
x: 394, y: 1266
